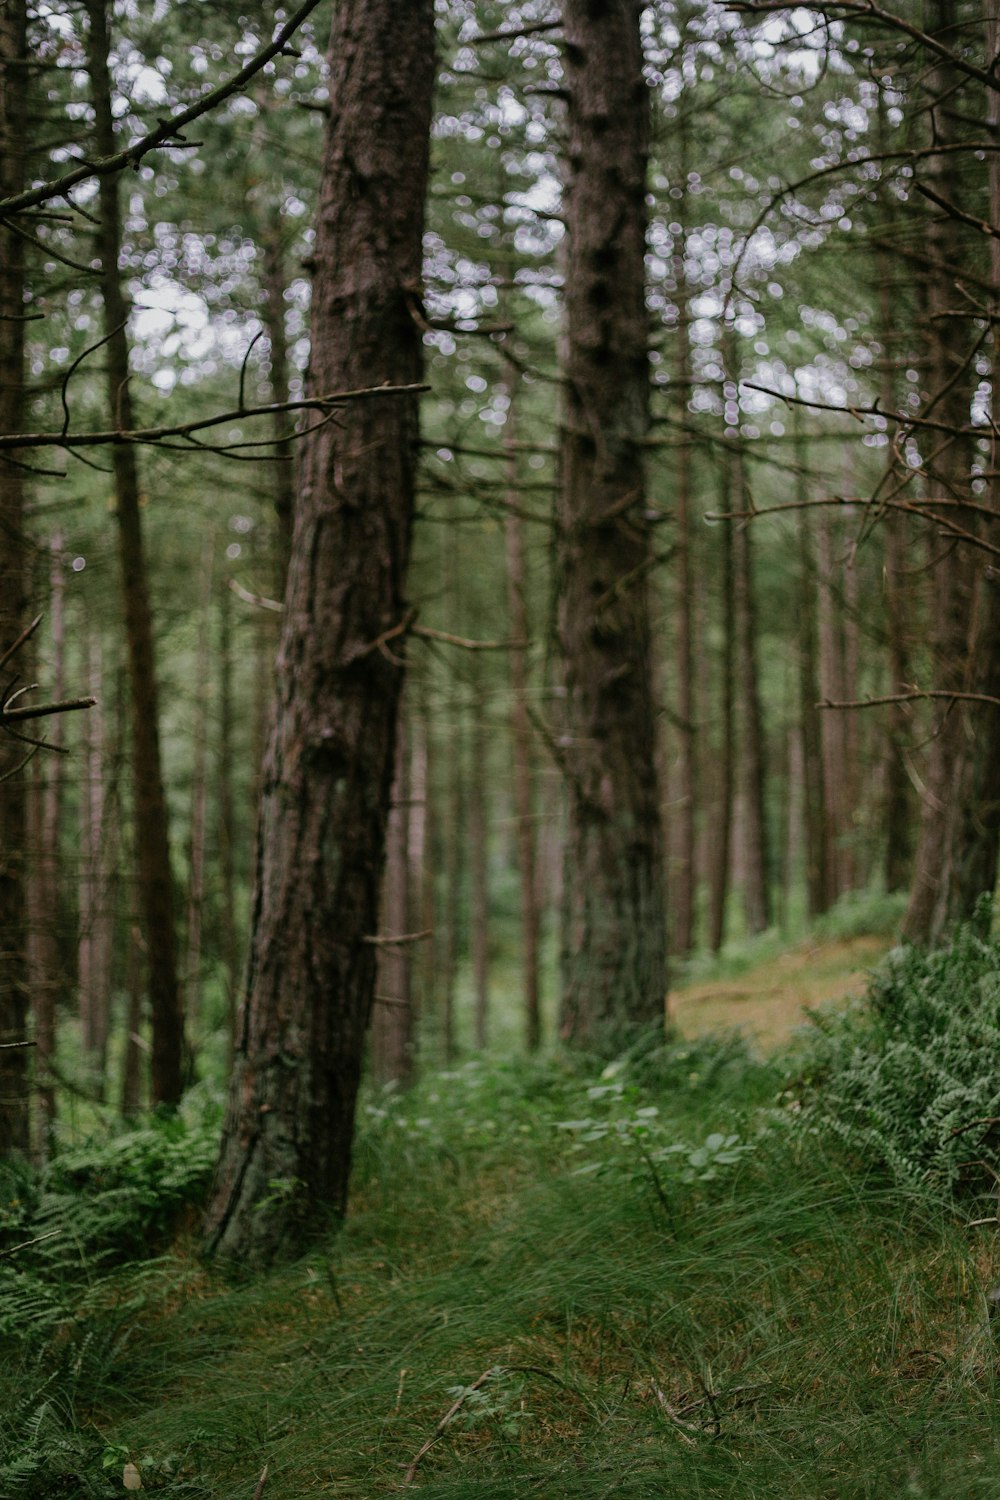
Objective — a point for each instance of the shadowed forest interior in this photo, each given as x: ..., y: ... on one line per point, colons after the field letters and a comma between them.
x: 499, y: 792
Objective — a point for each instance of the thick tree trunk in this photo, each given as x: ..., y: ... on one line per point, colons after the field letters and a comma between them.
x: 970, y: 822
x: 152, y: 838
x: 286, y: 1152
x: 949, y: 829
x: 614, y: 952
x: 14, y: 1121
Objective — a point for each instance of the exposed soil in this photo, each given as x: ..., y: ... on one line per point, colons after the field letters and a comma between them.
x: 768, y: 1001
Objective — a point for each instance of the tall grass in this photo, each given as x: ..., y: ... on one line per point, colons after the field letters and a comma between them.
x: 619, y: 1281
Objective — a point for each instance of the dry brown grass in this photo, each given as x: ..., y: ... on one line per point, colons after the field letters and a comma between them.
x: 769, y: 1000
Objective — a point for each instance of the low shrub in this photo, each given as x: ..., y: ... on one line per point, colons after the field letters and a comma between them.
x: 909, y: 1078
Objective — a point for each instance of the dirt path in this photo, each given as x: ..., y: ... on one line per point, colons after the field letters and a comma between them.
x: 768, y: 1001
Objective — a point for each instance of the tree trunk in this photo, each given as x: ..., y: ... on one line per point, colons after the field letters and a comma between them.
x: 720, y: 841
x: 938, y: 897
x: 152, y: 839
x: 275, y: 282
x: 226, y: 809
x: 684, y: 804
x: 967, y: 783
x: 14, y: 1120
x: 135, y: 1044
x: 98, y: 839
x: 614, y: 950
x: 45, y: 950
x: 393, y: 1028
x: 517, y: 608
x: 757, y: 867
x: 479, y: 902
x: 286, y: 1150
x: 833, y: 687
x: 199, y: 796
x: 814, y: 810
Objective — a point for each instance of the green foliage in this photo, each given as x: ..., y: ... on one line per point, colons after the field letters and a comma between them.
x: 862, y: 913
x: 908, y: 1079
x: 72, y: 1295
x: 797, y: 1329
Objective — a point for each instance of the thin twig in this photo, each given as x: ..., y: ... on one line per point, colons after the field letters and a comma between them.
x: 452, y: 1411
x: 258, y: 1492
x: 381, y: 940
x: 427, y: 634
x: 25, y: 635
x: 26, y: 1244
x: 914, y: 697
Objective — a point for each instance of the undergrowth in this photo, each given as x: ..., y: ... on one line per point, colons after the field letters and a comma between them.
x: 909, y: 1078
x: 562, y: 1278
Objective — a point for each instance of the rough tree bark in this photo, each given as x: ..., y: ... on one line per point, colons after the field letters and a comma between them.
x: 156, y: 886
x: 286, y: 1150
x: 14, y: 1122
x: 948, y: 864
x: 613, y: 962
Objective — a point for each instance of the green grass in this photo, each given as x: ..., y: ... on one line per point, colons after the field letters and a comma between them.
x: 672, y: 1299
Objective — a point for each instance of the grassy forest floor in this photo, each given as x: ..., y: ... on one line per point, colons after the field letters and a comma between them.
x: 671, y: 1275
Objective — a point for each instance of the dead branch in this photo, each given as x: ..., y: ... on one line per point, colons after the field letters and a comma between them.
x: 916, y: 696
x: 426, y: 633
x: 261, y: 600
x: 262, y: 1481
x: 26, y: 1244
x: 380, y: 940
x: 325, y: 404
x: 452, y: 1412
x: 43, y: 710
x: 515, y: 32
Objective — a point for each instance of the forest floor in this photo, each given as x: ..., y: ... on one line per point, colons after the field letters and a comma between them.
x: 769, y: 1001
x: 560, y: 1277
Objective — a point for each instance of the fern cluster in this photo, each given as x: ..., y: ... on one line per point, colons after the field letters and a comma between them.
x: 68, y: 1308
x: 910, y: 1078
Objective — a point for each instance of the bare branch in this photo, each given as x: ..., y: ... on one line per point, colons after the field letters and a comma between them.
x: 43, y: 710
x: 167, y: 132
x: 866, y: 10
x: 916, y: 696
x: 326, y: 404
